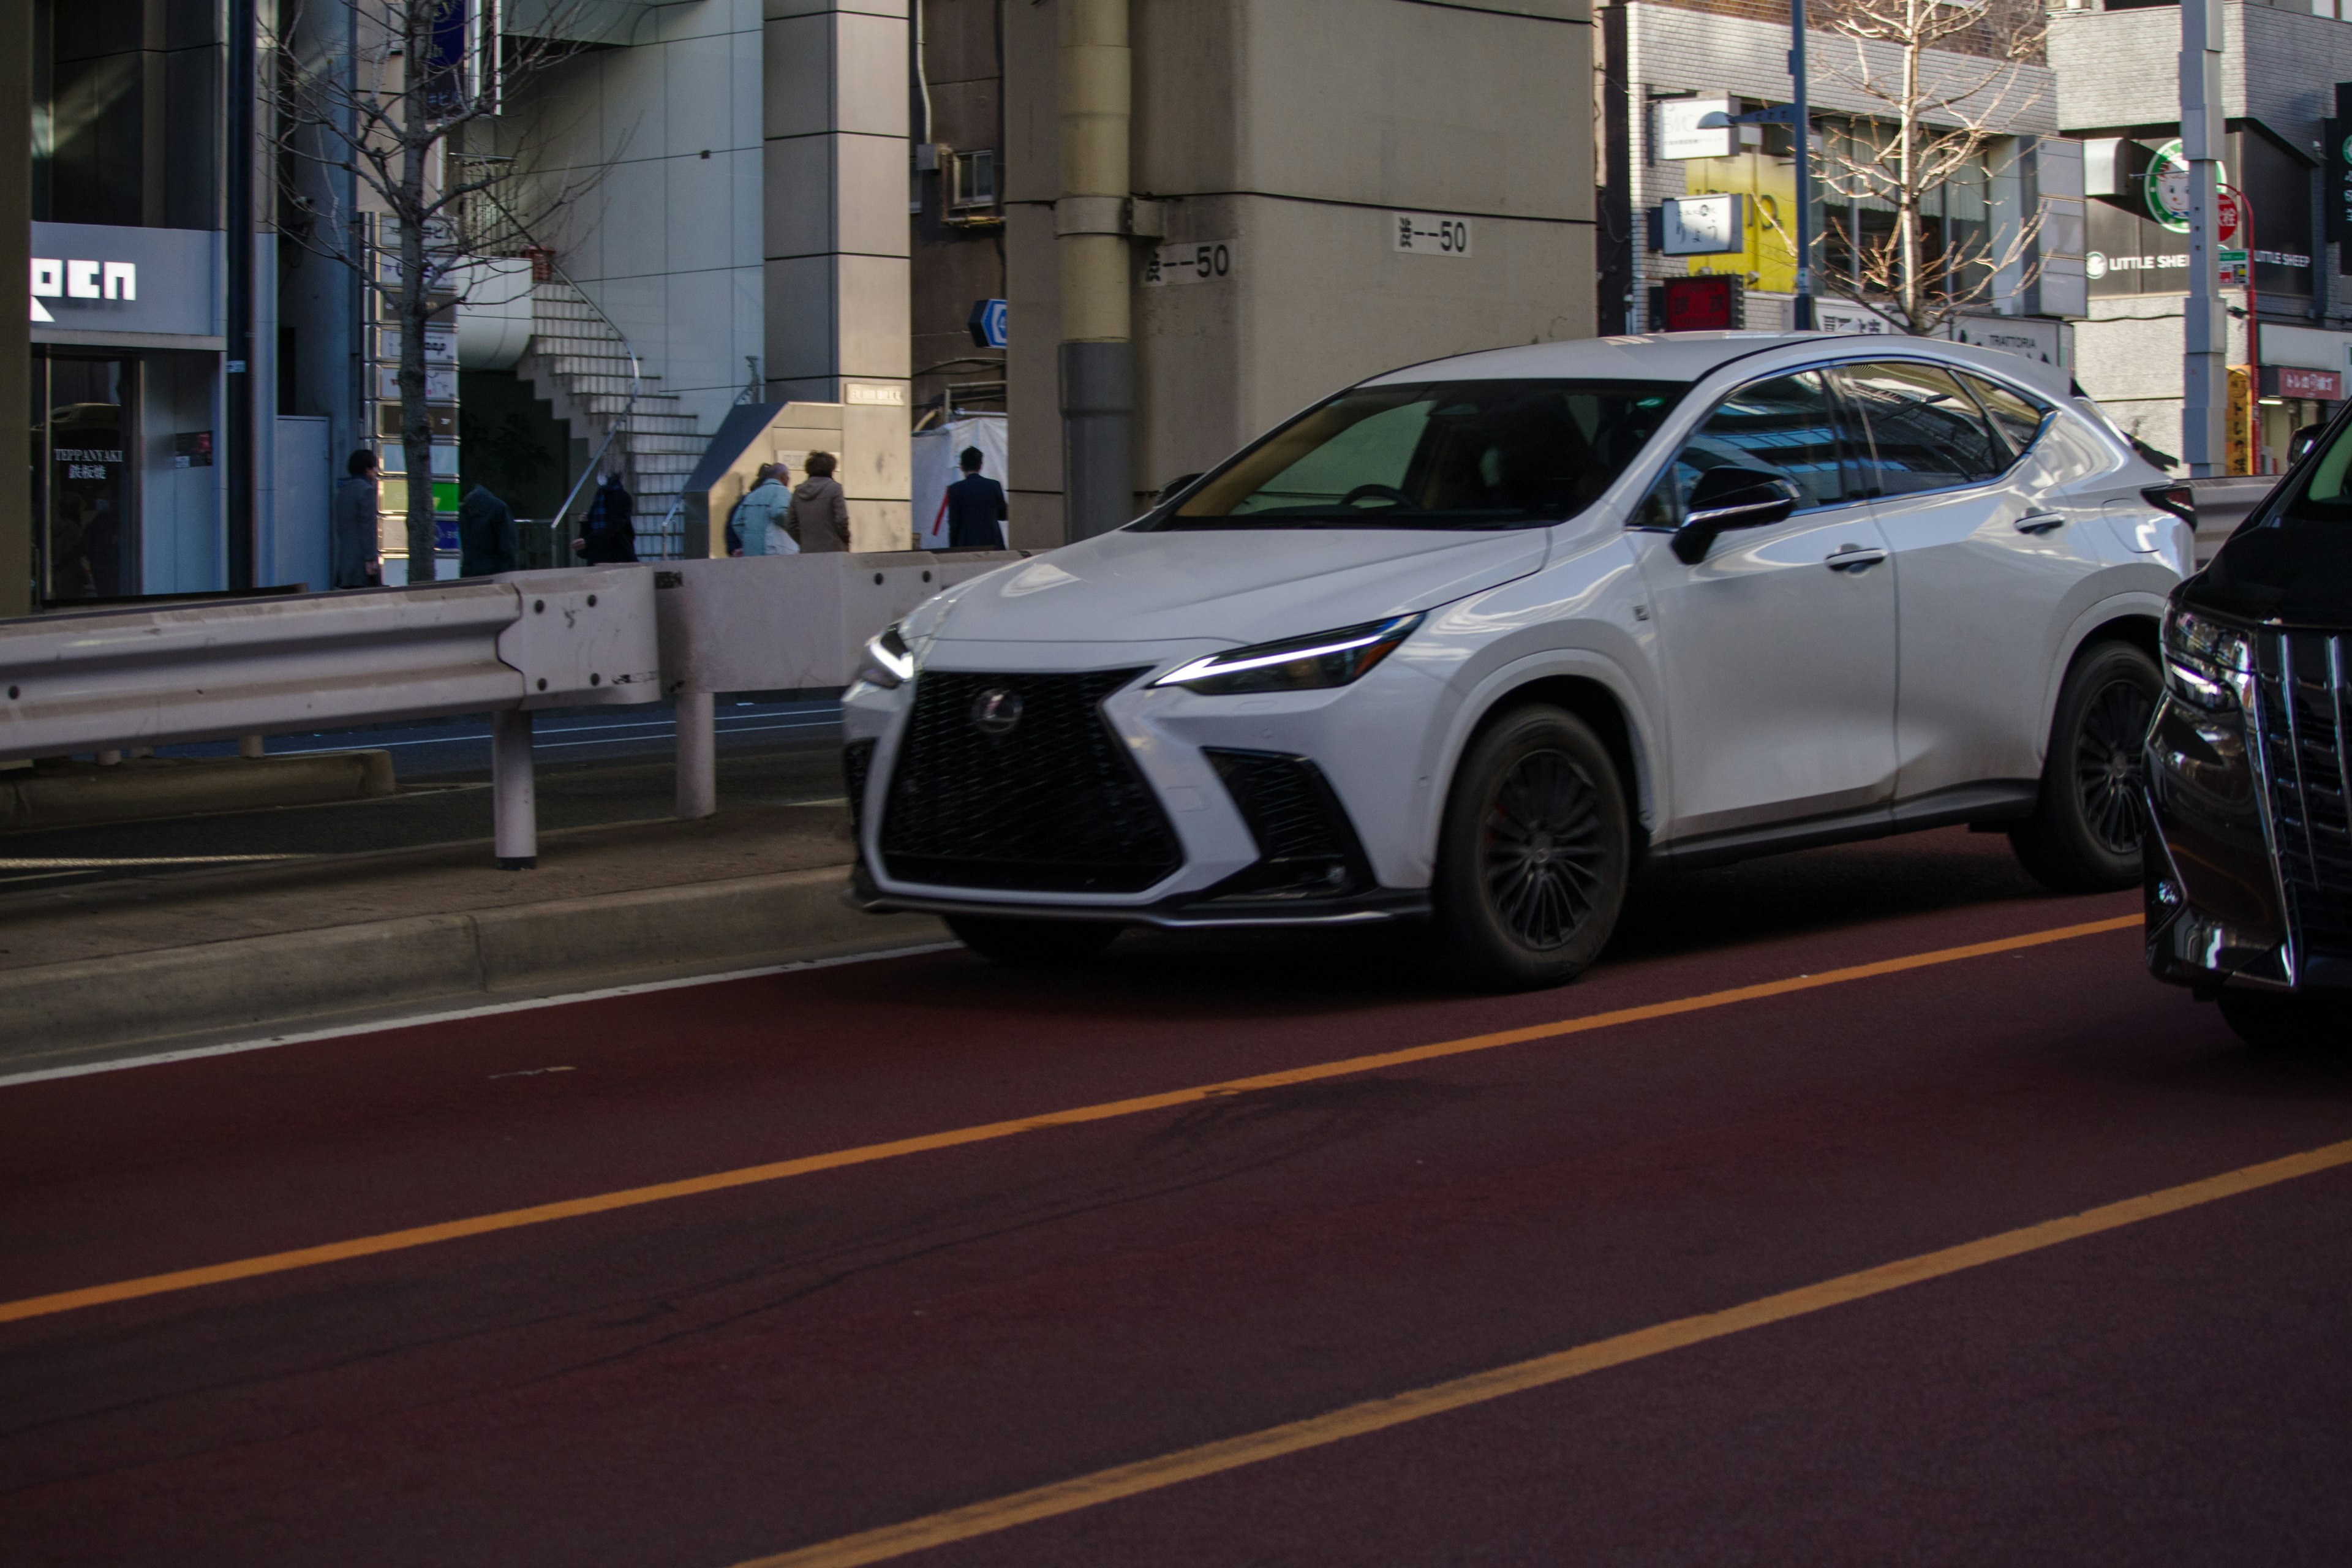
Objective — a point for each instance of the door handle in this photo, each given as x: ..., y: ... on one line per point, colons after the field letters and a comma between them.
x: 2039, y: 523
x: 1852, y: 558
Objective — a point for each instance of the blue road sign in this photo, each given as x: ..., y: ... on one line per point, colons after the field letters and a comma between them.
x: 987, y: 323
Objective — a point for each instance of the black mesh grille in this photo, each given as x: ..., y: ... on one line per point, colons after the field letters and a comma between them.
x: 2307, y: 762
x: 1051, y: 805
x: 856, y: 762
x: 1308, y: 846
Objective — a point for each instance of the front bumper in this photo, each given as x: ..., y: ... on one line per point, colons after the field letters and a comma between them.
x: 1295, y: 809
x: 2222, y: 906
x: 1183, y: 913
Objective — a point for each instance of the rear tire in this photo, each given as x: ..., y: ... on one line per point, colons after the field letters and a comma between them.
x: 1533, y: 854
x: 1019, y: 943
x: 2088, y: 823
x: 2271, y: 1021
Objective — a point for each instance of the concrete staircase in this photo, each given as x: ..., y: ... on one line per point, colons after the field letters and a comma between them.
x: 579, y: 364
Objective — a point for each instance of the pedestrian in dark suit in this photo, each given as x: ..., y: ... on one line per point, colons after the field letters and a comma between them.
x: 611, y: 534
x: 976, y: 510
x: 486, y: 534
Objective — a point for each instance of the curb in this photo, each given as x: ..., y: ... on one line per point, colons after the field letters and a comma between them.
x: 63, y: 1010
x: 143, y: 788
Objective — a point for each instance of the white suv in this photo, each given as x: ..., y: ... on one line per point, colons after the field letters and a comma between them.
x: 1467, y: 641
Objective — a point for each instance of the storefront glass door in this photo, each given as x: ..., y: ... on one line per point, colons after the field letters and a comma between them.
x: 85, y: 500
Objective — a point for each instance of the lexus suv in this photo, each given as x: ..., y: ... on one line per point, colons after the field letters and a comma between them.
x: 1464, y: 643
x: 2250, y: 766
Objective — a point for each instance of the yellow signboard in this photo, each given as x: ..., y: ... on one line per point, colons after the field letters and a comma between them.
x: 1768, y: 263
x: 2240, y: 441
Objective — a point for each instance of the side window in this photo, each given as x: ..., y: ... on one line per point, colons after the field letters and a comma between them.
x: 1925, y: 432
x: 2014, y: 416
x: 1788, y: 427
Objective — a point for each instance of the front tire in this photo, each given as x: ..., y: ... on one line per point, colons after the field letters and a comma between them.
x: 1533, y: 854
x: 2088, y: 825
x: 2270, y: 1021
x: 1018, y: 943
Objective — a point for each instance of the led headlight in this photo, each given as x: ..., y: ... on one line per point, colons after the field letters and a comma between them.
x: 1295, y: 663
x: 888, y: 661
x: 2207, y: 664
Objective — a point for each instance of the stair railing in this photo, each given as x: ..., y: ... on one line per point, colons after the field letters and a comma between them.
x: 636, y: 378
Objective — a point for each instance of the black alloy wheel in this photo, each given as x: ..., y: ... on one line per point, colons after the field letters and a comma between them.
x: 2090, y: 819
x: 1533, y: 853
x: 2108, y: 770
x: 1545, y: 864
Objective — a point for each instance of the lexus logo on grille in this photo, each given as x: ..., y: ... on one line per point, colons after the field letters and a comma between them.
x: 995, y: 711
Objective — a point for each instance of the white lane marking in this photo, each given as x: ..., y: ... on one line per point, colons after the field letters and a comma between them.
x: 97, y: 863
x: 490, y: 1009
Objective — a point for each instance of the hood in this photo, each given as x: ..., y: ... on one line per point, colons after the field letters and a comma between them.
x: 2297, y: 573
x: 1243, y: 586
x: 810, y: 488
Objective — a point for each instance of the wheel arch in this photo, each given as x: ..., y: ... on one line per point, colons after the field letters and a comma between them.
x: 2135, y: 618
x: 1593, y: 689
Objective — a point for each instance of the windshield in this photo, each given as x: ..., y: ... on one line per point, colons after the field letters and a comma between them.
x: 1458, y: 454
x: 2323, y: 492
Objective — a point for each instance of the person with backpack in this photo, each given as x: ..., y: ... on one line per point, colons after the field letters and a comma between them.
x: 758, y: 525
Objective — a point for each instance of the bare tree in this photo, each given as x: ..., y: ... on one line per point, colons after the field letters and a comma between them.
x: 401, y: 97
x: 1936, y: 123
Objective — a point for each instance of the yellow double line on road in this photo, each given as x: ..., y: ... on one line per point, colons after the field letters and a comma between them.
x: 871, y: 1153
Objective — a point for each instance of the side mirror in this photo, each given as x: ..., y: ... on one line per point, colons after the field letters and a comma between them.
x: 2304, y: 440
x: 1173, y: 488
x: 1728, y: 498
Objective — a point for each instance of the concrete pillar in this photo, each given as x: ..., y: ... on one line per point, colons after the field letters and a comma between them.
x: 1096, y: 360
x: 835, y: 242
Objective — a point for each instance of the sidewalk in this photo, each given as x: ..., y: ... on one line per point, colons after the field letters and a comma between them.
x: 185, y: 957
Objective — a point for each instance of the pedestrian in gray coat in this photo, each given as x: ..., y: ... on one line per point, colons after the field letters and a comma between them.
x: 353, y: 538
x: 818, y: 517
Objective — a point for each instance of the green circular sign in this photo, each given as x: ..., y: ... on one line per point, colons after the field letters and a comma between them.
x: 2167, y: 187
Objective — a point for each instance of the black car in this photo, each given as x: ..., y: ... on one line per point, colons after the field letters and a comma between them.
x: 2248, y: 766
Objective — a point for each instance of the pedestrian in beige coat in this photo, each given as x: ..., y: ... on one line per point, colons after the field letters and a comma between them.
x: 818, y: 516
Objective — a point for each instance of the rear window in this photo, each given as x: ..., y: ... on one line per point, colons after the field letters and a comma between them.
x: 1463, y: 454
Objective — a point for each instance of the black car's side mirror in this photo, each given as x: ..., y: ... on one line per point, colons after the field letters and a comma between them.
x: 1728, y: 498
x: 2304, y: 440
x: 1173, y: 488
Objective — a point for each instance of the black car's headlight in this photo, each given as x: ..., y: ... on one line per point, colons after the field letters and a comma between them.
x: 1295, y: 663
x: 888, y: 661
x: 2207, y: 664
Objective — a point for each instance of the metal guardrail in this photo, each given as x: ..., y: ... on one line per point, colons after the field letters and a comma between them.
x: 2221, y: 503
x: 111, y: 679
x: 115, y: 680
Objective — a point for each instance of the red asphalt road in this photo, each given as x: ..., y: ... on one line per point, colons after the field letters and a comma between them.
x: 710, y: 1379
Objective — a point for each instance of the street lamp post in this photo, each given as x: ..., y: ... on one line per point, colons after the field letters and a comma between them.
x: 1801, y: 128
x: 2204, y: 379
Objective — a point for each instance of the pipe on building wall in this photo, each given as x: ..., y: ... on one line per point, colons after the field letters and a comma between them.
x: 1096, y: 355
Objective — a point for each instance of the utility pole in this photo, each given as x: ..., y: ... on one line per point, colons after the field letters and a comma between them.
x: 1801, y: 128
x: 243, y: 70
x: 2204, y: 373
